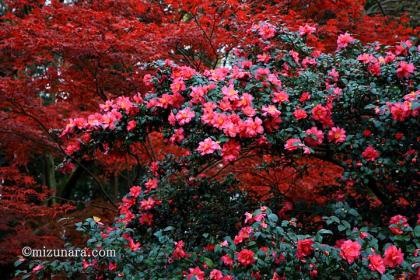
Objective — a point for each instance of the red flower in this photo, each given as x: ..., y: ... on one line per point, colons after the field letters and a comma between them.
x: 370, y: 154
x: 393, y: 256
x: 396, y: 223
x: 197, y: 273
x: 300, y: 114
x: 314, y: 137
x: 231, y: 150
x: 343, y: 40
x: 208, y: 146
x: 179, y: 252
x: 337, y: 135
x: 376, y: 263
x: 350, y: 250
x: 405, y: 69
x: 304, y: 248
x: 246, y: 257
x: 131, y: 125
x: 135, y: 191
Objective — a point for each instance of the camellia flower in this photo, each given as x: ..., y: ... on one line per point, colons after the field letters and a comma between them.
x: 196, y: 273
x: 131, y: 125
x: 370, y: 154
x: 314, y: 137
x: 393, y: 256
x: 147, y: 204
x: 227, y: 260
x: 304, y: 248
x: 293, y: 144
x: 344, y: 40
x: 178, y: 85
x: 135, y: 191
x: 337, y: 135
x: 270, y: 110
x: 306, y: 30
x: 280, y: 97
x: 185, y: 116
x: 208, y: 146
x: 231, y: 150
x: 376, y: 263
x: 230, y: 93
x: 319, y: 113
x: 405, y: 69
x: 244, y: 233
x: 216, y: 274
x: 179, y: 252
x: 300, y: 114
x: 304, y: 97
x: 400, y: 111
x: 246, y: 257
x: 350, y: 250
x: 397, y: 223
x: 151, y: 184
x: 266, y: 31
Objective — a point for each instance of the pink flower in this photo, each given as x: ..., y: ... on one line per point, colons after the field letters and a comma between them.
x: 397, y: 223
x: 306, y: 30
x: 334, y: 74
x: 131, y: 125
x: 266, y: 31
x: 246, y: 257
x: 343, y: 40
x: 134, y: 246
x: 227, y: 260
x: 179, y: 252
x: 253, y: 127
x: 231, y: 150
x: 366, y: 58
x: 270, y: 110
x: 151, y: 184
x: 244, y: 233
x: 135, y: 191
x: 230, y: 93
x: 405, y: 69
x: 393, y: 256
x: 376, y: 263
x: 304, y: 97
x: 185, y: 116
x: 293, y: 144
x: 280, y: 97
x: 400, y: 111
x: 178, y: 136
x: 337, y: 135
x: 319, y: 113
x: 208, y: 146
x: 370, y: 154
x: 147, y: 204
x: 304, y: 248
x: 314, y: 137
x: 148, y: 80
x: 197, y: 273
x: 216, y: 274
x: 178, y: 85
x: 300, y: 114
x: 350, y: 250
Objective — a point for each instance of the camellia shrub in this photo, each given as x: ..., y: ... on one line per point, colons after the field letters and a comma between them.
x: 356, y: 108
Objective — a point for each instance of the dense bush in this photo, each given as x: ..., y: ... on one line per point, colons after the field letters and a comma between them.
x: 357, y: 108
